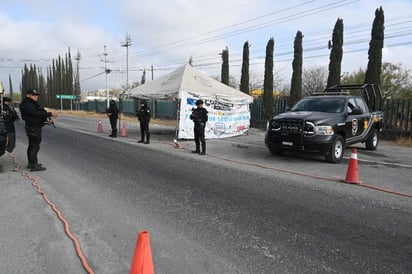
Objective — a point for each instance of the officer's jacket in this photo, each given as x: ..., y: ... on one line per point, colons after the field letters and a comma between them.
x: 144, y: 115
x: 199, y: 116
x: 9, y: 115
x: 33, y: 113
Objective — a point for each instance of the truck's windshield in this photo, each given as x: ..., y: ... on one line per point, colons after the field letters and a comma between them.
x: 329, y: 105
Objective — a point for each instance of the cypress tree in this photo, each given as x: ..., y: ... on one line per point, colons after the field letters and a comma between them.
x: 335, y: 58
x: 225, y: 66
x: 267, y: 107
x: 244, y: 79
x: 374, y: 69
x: 296, y: 84
x: 10, y: 87
x: 143, y: 80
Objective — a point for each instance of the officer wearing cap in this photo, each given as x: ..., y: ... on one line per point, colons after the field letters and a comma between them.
x: 10, y: 116
x: 144, y: 115
x: 199, y: 117
x: 35, y: 117
x: 113, y: 114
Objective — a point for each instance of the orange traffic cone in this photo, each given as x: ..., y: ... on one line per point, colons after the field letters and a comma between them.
x: 142, y: 258
x: 352, y: 176
x: 100, y: 127
x: 124, y: 130
x: 177, y: 145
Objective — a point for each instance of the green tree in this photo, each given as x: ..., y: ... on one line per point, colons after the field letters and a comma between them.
x: 396, y: 81
x: 267, y: 107
x: 374, y: 69
x: 225, y: 66
x: 335, y: 58
x: 244, y: 79
x: 296, y: 82
x: 356, y: 77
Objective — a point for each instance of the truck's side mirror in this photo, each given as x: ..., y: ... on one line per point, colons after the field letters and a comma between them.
x: 357, y: 111
x: 1, y: 88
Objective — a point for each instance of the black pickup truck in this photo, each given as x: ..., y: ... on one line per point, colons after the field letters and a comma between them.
x: 326, y: 122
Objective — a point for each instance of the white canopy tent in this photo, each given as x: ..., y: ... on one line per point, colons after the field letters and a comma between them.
x: 229, y: 113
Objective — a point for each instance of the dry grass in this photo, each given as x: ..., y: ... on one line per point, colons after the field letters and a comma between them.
x: 404, y: 141
x: 123, y: 117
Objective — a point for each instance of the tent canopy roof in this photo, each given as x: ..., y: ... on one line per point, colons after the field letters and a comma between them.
x: 186, y: 78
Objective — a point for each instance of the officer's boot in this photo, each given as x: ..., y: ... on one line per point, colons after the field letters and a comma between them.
x: 141, y: 137
x: 114, y: 134
x: 203, y: 148
x: 197, y: 148
x: 147, y: 137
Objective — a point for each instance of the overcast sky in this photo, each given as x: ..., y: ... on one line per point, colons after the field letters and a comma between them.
x: 166, y: 34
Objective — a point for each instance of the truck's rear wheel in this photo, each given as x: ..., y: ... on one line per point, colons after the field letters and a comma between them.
x: 372, y: 142
x: 336, y: 151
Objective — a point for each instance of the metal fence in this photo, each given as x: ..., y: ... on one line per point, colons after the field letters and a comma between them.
x: 398, y: 112
x: 398, y: 118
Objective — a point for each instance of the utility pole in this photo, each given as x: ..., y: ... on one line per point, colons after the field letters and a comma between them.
x: 127, y: 43
x: 107, y: 71
x: 77, y: 79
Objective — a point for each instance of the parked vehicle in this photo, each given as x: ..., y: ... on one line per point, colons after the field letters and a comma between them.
x: 326, y: 122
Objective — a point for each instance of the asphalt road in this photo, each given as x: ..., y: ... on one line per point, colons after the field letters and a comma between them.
x: 236, y: 210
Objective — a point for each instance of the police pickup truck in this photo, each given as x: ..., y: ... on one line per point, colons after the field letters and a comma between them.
x: 326, y: 122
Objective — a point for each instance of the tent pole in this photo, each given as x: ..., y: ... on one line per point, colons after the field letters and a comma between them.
x: 177, y: 118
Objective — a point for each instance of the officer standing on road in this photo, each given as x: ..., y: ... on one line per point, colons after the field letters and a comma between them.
x: 199, y: 117
x: 36, y: 117
x: 10, y: 116
x: 113, y: 113
x: 144, y: 115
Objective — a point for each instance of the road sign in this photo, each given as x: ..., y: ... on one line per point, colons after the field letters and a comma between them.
x: 64, y: 96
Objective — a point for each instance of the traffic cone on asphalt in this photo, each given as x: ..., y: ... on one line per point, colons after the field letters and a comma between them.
x: 142, y: 259
x: 124, y: 130
x: 100, y: 127
x: 352, y: 174
x: 177, y: 145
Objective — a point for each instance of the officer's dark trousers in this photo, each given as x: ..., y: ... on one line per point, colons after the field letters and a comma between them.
x: 34, y: 136
x: 199, y: 132
x: 11, y: 136
x: 144, y: 130
x: 113, y: 124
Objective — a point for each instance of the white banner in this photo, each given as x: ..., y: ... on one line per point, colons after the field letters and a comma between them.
x: 225, y: 118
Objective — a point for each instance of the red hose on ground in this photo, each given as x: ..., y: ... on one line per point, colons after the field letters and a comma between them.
x: 36, y: 184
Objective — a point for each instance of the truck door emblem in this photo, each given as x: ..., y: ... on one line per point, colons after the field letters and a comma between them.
x: 354, y: 126
x: 365, y: 124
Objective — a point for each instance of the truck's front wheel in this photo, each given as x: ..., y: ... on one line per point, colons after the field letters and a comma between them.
x: 372, y: 142
x: 275, y: 151
x: 336, y: 151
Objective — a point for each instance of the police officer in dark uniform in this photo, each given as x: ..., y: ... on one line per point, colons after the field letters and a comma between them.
x: 113, y: 113
x: 199, y: 117
x: 10, y: 116
x: 144, y: 115
x: 36, y: 117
